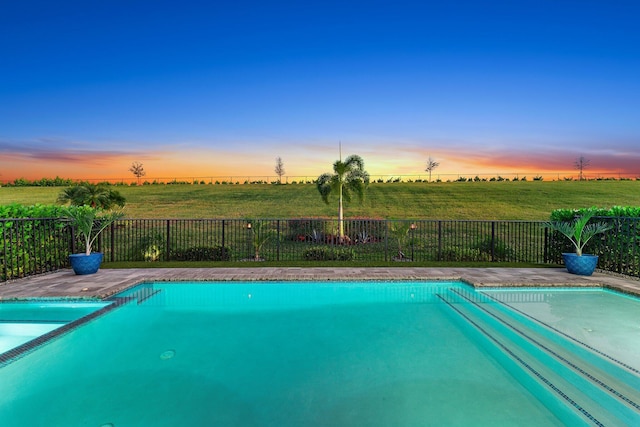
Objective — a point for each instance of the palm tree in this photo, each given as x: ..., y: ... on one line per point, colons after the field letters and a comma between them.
x: 94, y: 195
x: 349, y: 177
x: 260, y: 235
x: 400, y: 230
x: 73, y: 195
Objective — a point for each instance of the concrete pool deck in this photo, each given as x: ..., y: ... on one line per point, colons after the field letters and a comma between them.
x: 107, y: 282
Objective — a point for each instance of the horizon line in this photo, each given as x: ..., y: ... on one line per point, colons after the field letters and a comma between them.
x: 248, y: 179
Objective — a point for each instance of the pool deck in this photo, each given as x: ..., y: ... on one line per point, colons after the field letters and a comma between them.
x: 107, y: 282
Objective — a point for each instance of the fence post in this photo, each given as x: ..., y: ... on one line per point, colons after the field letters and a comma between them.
x: 168, y: 249
x: 278, y: 240
x: 493, y: 241
x: 386, y: 240
x: 73, y: 240
x: 439, y: 240
x: 5, y: 269
x: 223, y: 234
x: 632, y: 268
x: 100, y: 245
x: 545, y: 253
x: 113, y: 238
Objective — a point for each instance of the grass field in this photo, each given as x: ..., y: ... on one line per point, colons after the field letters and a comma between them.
x: 530, y: 200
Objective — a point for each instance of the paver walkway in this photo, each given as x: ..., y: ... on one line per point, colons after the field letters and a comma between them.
x: 110, y: 281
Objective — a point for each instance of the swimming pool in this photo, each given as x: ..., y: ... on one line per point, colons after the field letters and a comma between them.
x: 339, y: 354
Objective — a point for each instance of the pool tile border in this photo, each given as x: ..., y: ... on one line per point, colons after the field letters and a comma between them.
x: 107, y: 282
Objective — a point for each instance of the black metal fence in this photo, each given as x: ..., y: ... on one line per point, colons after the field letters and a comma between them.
x: 33, y: 246
x: 318, y: 239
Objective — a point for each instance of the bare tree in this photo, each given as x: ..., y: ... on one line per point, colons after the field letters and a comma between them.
x: 279, y: 170
x: 581, y: 164
x: 431, y: 165
x: 137, y: 169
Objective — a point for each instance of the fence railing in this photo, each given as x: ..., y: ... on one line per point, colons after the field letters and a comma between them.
x: 33, y: 246
x: 318, y: 239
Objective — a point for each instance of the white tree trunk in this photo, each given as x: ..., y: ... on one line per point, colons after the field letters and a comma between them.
x: 340, y: 217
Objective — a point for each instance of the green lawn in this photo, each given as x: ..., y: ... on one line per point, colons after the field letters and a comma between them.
x: 531, y: 200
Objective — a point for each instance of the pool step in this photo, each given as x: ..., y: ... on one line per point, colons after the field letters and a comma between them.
x: 580, y: 356
x: 13, y: 334
x: 47, y: 311
x: 27, y: 329
x: 140, y: 293
x: 581, y: 384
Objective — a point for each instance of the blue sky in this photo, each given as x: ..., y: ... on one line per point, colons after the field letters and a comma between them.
x: 213, y: 89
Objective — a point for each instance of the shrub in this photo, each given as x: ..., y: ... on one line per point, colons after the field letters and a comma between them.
x: 365, y: 230
x: 462, y: 254
x: 33, y: 243
x: 328, y: 253
x: 501, y: 251
x: 16, y: 210
x: 312, y: 230
x: 616, y: 247
x: 615, y: 211
x: 150, y: 248
x: 201, y: 253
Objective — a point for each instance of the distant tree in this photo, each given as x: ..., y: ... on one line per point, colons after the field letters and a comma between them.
x: 581, y: 164
x: 431, y: 165
x: 279, y: 170
x: 349, y: 176
x: 137, y: 169
x: 94, y: 195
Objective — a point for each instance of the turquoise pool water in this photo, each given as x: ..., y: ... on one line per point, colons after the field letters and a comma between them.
x: 22, y: 321
x: 336, y: 354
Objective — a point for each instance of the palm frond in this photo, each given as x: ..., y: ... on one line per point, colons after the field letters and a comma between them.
x: 354, y: 160
x: 324, y: 186
x: 578, y: 231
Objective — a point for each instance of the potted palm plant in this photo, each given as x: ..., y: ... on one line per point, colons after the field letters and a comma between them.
x: 579, y: 232
x: 89, y: 223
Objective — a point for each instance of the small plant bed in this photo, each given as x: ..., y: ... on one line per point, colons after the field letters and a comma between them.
x: 309, y: 264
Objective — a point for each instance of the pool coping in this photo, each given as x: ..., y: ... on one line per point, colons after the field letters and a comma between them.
x: 107, y: 282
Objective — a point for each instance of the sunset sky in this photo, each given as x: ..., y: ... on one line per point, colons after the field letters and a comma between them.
x: 222, y: 88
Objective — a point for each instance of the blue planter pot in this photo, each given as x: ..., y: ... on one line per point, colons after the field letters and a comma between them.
x: 582, y: 265
x: 86, y: 264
